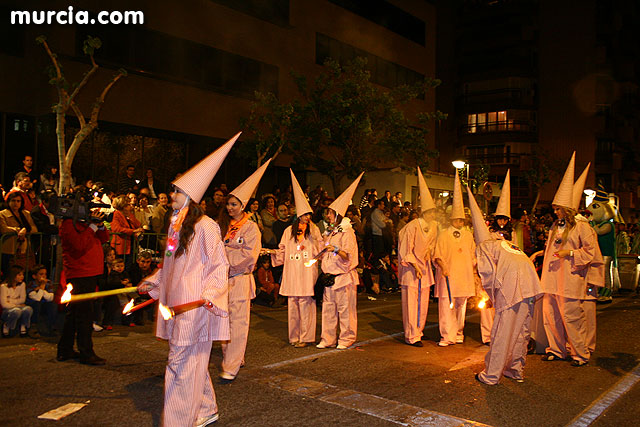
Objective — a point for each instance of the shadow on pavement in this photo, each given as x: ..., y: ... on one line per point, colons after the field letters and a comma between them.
x: 618, y: 365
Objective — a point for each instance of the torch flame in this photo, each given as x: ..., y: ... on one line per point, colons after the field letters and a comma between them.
x: 66, y: 296
x: 482, y: 304
x: 165, y: 311
x: 128, y: 307
x: 450, y: 305
x: 310, y: 262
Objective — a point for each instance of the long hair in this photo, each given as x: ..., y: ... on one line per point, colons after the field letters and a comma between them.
x: 570, y: 220
x: 21, y: 218
x: 14, y: 270
x: 250, y: 202
x: 188, y: 226
x: 224, y: 219
x: 295, y: 227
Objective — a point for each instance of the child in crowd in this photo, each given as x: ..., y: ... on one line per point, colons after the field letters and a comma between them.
x: 143, y: 267
x: 109, y: 257
x: 13, y: 296
x: 388, y: 277
x: 40, y: 299
x: 266, y: 283
x: 117, y: 279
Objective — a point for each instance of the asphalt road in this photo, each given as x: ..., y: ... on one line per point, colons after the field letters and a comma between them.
x: 380, y: 382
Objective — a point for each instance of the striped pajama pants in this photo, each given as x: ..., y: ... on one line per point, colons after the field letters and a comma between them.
x: 188, y: 392
x: 234, y: 349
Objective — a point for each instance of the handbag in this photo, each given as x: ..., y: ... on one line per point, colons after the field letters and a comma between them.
x: 327, y: 280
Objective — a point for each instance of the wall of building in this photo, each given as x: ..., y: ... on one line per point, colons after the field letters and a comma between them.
x: 164, y: 99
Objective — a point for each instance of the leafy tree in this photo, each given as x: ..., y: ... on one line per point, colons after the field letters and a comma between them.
x: 268, y: 126
x: 67, y: 94
x: 342, y: 124
x: 540, y: 173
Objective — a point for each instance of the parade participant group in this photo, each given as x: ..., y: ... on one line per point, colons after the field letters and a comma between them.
x: 208, y: 267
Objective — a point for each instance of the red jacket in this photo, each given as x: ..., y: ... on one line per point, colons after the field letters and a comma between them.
x: 82, y: 254
x: 120, y: 224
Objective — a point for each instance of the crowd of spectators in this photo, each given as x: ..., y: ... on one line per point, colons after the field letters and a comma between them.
x: 139, y: 217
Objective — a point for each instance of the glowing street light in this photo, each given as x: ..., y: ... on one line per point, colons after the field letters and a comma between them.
x: 459, y: 164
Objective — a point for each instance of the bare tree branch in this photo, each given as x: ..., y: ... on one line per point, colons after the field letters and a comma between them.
x: 84, y: 81
x: 79, y: 114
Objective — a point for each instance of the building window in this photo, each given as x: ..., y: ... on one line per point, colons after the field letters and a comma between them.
x: 490, y: 154
x: 273, y: 11
x: 501, y: 121
x: 389, y: 16
x: 383, y: 72
x: 170, y: 58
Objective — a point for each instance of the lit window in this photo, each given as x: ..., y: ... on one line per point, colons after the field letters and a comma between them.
x: 482, y: 122
x: 492, y: 119
x: 16, y: 125
x: 502, y: 120
x: 471, y: 123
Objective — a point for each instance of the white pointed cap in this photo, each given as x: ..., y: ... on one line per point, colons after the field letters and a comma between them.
x: 504, y: 204
x: 480, y: 230
x: 564, y: 195
x: 245, y: 190
x: 578, y: 187
x: 342, y: 202
x: 302, y: 205
x: 457, y: 208
x: 426, y: 201
x: 196, y: 180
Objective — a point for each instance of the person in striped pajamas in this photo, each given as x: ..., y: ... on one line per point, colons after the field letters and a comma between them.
x: 300, y: 243
x: 194, y: 269
x: 242, y: 245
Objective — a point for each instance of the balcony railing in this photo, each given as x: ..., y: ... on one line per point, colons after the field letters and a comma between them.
x: 499, y: 126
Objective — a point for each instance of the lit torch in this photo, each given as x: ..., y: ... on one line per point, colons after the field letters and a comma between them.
x: 315, y: 258
x: 168, y: 312
x: 449, y: 292
x: 130, y: 308
x: 482, y: 304
x: 66, y: 296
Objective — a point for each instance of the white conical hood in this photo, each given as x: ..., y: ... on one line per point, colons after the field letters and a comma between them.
x: 504, y: 204
x: 480, y: 230
x: 578, y: 187
x: 341, y: 204
x: 302, y: 205
x: 245, y: 190
x: 196, y: 180
x: 457, y: 209
x: 564, y: 195
x: 426, y: 201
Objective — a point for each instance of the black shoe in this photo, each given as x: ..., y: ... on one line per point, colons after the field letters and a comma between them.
x: 579, y: 362
x: 417, y: 344
x: 66, y: 356
x: 93, y: 360
x: 550, y: 357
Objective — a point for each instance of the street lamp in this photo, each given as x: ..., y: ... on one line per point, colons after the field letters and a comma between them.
x: 590, y: 194
x: 461, y: 164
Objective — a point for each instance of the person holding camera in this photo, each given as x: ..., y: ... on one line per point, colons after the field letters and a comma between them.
x: 82, y: 259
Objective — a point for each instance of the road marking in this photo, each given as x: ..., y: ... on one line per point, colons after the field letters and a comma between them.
x: 607, y: 399
x: 364, y: 403
x: 358, y: 344
x: 476, y: 358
